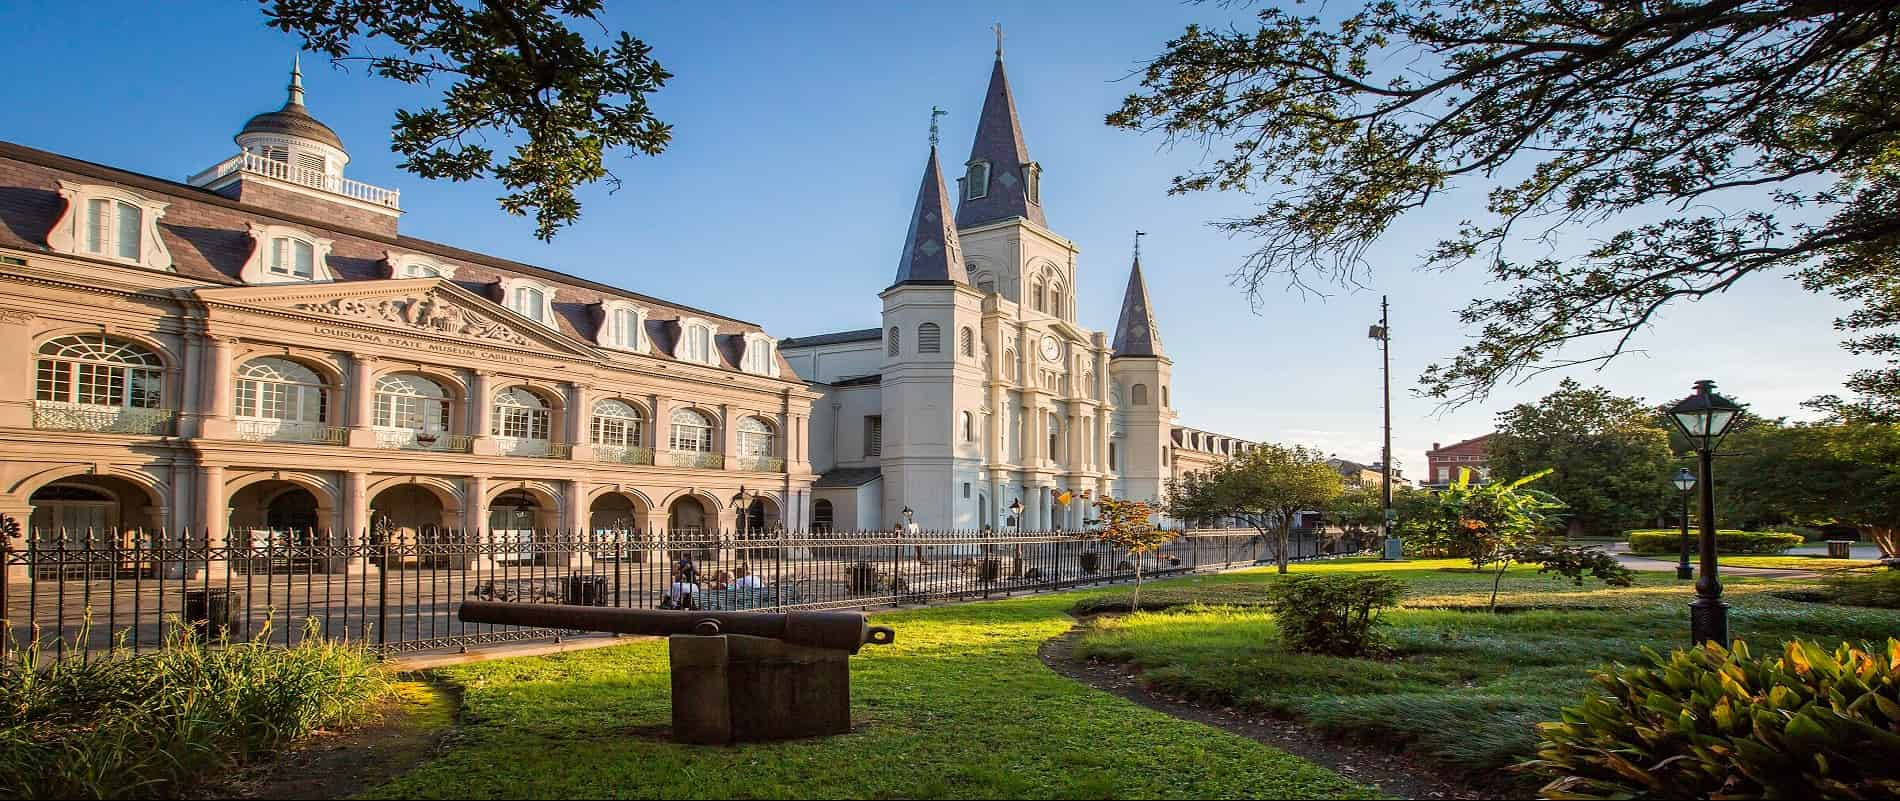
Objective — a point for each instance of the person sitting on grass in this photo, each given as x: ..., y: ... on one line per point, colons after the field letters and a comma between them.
x: 722, y: 580
x: 679, y: 594
x: 742, y: 579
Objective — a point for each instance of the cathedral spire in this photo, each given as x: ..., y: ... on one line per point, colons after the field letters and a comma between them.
x: 1135, y: 333
x: 932, y: 254
x: 1002, y: 182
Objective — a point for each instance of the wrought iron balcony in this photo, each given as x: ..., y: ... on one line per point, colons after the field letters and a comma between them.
x: 703, y: 461
x: 291, y: 431
x: 622, y: 454
x: 762, y: 464
x: 65, y: 416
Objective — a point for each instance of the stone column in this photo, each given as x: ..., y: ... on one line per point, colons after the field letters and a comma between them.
x: 475, y: 520
x: 657, y: 430
x: 728, y: 439
x: 213, y: 518
x: 17, y: 575
x: 574, y: 519
x: 481, y: 397
x: 361, y: 389
x: 580, y: 410
x: 217, y: 389
x: 355, y: 522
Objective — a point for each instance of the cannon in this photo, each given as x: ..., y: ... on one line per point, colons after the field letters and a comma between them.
x: 737, y: 676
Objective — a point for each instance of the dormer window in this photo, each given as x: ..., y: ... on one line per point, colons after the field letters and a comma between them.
x: 696, y: 342
x: 759, y: 359
x: 623, y: 326
x: 110, y: 223
x: 976, y: 183
x: 411, y: 265
x: 1032, y: 186
x: 529, y: 299
x: 282, y: 254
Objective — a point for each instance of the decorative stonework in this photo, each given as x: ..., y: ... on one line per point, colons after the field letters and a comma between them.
x: 15, y: 316
x: 427, y: 313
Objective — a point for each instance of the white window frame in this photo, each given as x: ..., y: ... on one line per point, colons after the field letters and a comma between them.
x: 692, y: 434
x: 618, y: 423
x: 416, y: 265
x: 758, y: 438
x: 613, y: 334
x: 519, y: 413
x: 512, y: 289
x: 99, y: 371
x: 761, y: 356
x: 68, y: 234
x: 683, y: 349
x: 258, y: 268
x: 974, y: 189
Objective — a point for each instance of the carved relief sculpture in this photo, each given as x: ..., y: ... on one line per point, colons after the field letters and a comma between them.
x: 427, y: 313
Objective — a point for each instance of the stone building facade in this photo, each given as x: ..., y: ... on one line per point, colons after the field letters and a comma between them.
x: 981, y: 389
x: 259, y: 350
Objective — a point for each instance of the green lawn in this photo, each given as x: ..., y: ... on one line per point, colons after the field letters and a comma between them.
x: 960, y: 707
x: 1465, y: 687
x: 1799, y: 562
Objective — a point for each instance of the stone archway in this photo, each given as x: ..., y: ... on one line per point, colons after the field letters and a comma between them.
x: 407, y: 513
x: 79, y: 508
x: 278, y: 513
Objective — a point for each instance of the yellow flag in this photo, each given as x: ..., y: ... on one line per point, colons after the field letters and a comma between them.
x: 1065, y: 497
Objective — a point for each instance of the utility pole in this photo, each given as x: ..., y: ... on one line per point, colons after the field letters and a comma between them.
x: 1393, y: 550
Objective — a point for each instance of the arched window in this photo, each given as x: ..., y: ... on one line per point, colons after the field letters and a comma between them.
x: 1036, y: 294
x: 821, y: 515
x: 1139, y: 394
x: 966, y: 341
x: 528, y: 302
x: 293, y: 257
x: 929, y: 338
x: 891, y: 342
x: 411, y: 410
x: 1055, y: 438
x: 1113, y: 462
x: 1095, y: 387
x: 618, y: 424
x: 976, y: 182
x: 698, y: 344
x: 969, y: 427
x: 1055, y: 299
x: 520, y: 414
x: 280, y: 399
x: 756, y: 444
x: 93, y: 370
x: 1164, y: 394
x: 1010, y: 363
x: 692, y: 431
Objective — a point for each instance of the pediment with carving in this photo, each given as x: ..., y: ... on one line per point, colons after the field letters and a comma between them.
x: 419, y: 305
x: 428, y: 311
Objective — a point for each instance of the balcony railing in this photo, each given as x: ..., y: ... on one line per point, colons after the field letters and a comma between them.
x: 410, y: 440
x: 256, y: 164
x: 533, y: 448
x: 291, y: 431
x: 64, y: 416
x: 703, y: 461
x: 763, y: 464
x: 622, y: 454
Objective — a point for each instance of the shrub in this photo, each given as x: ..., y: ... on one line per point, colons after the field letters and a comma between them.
x: 1878, y: 589
x: 1572, y: 562
x: 158, y: 723
x: 1332, y: 614
x: 1728, y: 540
x: 1707, y: 722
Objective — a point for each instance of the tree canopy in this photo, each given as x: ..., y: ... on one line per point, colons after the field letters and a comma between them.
x: 1268, y: 486
x: 1609, y: 455
x: 1755, y: 136
x: 1817, y: 475
x: 513, y: 68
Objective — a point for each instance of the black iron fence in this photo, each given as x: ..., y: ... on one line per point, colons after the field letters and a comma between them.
x: 79, y: 593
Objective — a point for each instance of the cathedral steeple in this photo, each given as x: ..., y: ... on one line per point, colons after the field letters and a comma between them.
x: 1135, y: 332
x: 932, y: 254
x: 1000, y: 181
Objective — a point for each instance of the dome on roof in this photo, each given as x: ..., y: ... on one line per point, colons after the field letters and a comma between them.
x: 293, y: 119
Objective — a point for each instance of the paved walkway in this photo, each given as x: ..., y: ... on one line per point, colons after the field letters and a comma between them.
x: 1659, y: 563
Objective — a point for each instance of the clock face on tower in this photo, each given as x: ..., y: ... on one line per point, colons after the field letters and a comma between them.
x: 1051, y: 349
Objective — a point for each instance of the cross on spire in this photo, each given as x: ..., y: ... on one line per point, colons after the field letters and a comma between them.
x: 935, y: 112
x: 998, y: 28
x: 1138, y: 236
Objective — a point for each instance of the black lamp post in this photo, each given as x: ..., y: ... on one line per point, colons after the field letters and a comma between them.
x: 1704, y: 418
x: 910, y: 518
x: 1684, y: 481
x: 1016, y: 513
x: 742, y: 507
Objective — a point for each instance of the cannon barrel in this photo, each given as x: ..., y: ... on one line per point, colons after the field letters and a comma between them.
x: 841, y: 631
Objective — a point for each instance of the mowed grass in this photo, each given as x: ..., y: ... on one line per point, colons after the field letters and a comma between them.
x: 1465, y: 687
x: 959, y: 707
x: 1799, y: 562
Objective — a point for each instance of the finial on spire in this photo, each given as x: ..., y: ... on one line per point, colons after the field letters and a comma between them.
x: 998, y: 28
x: 935, y: 112
x: 296, y: 80
x: 1138, y: 236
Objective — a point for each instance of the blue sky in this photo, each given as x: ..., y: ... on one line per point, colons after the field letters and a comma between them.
x: 799, y: 133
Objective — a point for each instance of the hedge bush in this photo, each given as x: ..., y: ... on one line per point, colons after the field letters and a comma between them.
x: 1713, y: 723
x: 1727, y: 540
x: 1336, y: 615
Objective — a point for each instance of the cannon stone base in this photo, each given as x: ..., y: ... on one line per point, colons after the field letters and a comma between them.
x: 730, y: 688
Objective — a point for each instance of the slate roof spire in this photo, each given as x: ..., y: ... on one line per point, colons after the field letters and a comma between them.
x: 1135, y: 332
x: 931, y: 254
x: 1009, y: 190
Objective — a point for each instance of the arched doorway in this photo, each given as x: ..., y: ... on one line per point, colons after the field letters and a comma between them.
x: 406, y: 514
x: 614, y: 521
x: 276, y: 513
x: 514, y: 518
x: 687, y: 517
x: 822, y: 516
x: 90, y: 508
x: 760, y: 519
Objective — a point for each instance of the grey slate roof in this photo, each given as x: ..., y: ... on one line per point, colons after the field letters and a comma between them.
x: 293, y: 119
x: 847, y: 477
x: 859, y: 380
x: 1135, y: 332
x: 931, y: 254
x: 860, y: 335
x: 999, y: 141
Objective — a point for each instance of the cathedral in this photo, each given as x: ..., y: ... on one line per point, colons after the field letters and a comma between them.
x: 981, y: 400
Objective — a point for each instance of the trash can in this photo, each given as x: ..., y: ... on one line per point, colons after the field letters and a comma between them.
x: 989, y: 569
x: 212, y: 614
x: 585, y: 590
x: 1840, y: 549
x: 1091, y: 562
x: 863, y: 578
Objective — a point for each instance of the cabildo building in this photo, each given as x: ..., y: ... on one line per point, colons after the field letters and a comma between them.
x: 259, y: 348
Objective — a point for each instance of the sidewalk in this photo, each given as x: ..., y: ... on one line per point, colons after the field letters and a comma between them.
x: 1860, y: 550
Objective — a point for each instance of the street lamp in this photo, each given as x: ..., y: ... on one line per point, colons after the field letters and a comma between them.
x: 1684, y: 481
x: 1394, y: 550
x: 742, y: 508
x: 1704, y: 419
x: 1016, y: 513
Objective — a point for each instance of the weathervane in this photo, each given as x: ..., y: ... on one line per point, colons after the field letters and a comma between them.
x: 935, y: 112
x: 1138, y: 236
x: 998, y: 28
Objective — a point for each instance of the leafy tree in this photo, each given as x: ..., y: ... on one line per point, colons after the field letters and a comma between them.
x: 1496, y: 523
x: 1609, y: 456
x: 1744, y: 136
x: 1359, y: 510
x: 1819, y: 475
x: 513, y: 68
x: 1125, y: 525
x: 1267, y: 487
